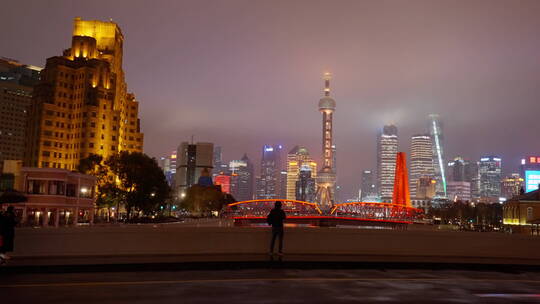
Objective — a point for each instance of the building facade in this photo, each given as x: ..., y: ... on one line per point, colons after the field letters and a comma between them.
x: 421, y: 160
x: 387, y: 148
x: 271, y: 182
x: 298, y: 158
x: 55, y: 197
x: 426, y: 187
x: 193, y: 158
x: 489, y: 173
x: 305, y: 185
x: 368, y: 188
x: 220, y: 166
x: 224, y: 181
x: 461, y: 170
x: 459, y: 191
x: 16, y: 89
x: 435, y: 131
x: 512, y: 186
x: 521, y: 212
x: 168, y: 165
x: 81, y: 105
x: 242, y: 173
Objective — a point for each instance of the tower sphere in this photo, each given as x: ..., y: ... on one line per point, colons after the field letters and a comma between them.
x: 327, y: 103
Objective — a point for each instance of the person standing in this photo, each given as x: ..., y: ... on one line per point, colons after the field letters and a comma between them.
x: 275, y: 218
x: 8, y: 221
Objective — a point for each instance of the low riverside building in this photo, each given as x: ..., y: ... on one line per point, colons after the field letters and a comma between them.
x: 55, y: 197
x: 522, y: 212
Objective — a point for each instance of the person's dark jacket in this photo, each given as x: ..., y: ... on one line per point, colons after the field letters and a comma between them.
x: 276, y: 218
x: 7, y: 230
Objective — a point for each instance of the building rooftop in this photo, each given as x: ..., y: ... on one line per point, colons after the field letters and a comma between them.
x: 530, y: 196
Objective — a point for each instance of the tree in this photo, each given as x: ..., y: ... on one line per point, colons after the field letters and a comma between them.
x: 141, y: 181
x: 204, y: 199
x: 133, y: 179
x: 108, y: 194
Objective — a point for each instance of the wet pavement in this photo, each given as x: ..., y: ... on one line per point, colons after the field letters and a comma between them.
x: 274, y: 285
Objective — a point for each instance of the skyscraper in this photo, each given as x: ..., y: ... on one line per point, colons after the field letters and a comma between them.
x: 426, y: 188
x: 460, y: 170
x: 421, y: 160
x: 387, y: 148
x: 368, y: 189
x: 489, y: 172
x: 16, y: 89
x: 435, y: 131
x: 242, y: 175
x: 475, y: 180
x: 81, y: 105
x: 219, y: 165
x: 305, y: 185
x: 271, y: 181
x: 193, y: 159
x: 459, y: 191
x: 326, y: 178
x: 168, y: 165
x: 296, y: 159
x: 511, y: 185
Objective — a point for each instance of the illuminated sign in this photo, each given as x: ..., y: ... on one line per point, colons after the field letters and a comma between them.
x: 484, y: 159
x: 532, y: 179
x: 531, y: 160
x: 268, y: 149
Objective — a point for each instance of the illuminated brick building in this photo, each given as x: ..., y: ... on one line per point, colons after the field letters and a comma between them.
x: 81, y: 105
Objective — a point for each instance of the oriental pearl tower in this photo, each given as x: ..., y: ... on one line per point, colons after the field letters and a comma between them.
x: 326, y: 177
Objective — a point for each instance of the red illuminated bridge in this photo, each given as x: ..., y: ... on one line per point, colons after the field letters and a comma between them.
x: 299, y: 212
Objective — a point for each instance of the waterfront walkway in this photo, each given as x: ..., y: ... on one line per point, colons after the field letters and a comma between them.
x: 217, y: 241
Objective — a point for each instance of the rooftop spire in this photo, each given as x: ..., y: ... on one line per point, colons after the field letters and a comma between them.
x: 327, y: 76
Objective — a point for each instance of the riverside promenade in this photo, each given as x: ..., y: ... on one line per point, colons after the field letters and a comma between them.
x: 218, y: 241
x: 210, y: 261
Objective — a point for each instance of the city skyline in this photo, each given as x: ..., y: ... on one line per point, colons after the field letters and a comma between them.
x: 492, y: 94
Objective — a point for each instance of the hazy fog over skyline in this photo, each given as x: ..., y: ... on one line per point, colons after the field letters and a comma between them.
x: 242, y: 74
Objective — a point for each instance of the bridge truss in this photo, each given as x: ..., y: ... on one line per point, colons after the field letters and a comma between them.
x: 299, y: 212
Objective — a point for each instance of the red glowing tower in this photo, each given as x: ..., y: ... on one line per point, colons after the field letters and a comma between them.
x: 401, y: 194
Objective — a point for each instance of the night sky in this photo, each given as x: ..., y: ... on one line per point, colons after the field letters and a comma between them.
x: 242, y: 74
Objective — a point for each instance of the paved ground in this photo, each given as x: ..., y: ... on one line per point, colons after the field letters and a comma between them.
x: 274, y: 286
